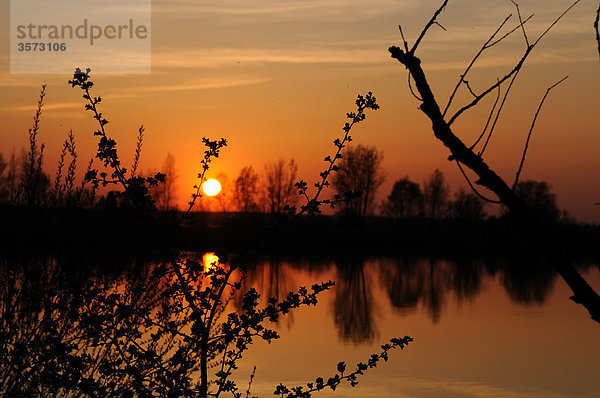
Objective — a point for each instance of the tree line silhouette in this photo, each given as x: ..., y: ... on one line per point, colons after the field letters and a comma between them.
x: 23, y: 181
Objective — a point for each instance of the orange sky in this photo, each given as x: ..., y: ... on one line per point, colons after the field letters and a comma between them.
x: 276, y: 77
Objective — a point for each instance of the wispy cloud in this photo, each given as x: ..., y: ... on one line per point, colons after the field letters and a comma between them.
x: 277, y: 7
x: 202, y: 84
x: 47, y: 107
x: 218, y: 57
x: 14, y: 81
x: 137, y: 91
x: 375, y: 55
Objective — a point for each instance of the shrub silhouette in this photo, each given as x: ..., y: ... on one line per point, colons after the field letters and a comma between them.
x: 161, y: 334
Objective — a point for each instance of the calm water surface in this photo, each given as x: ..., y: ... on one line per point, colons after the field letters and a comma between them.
x: 481, y: 328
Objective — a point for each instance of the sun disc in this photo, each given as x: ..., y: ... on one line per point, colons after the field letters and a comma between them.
x: 211, y: 187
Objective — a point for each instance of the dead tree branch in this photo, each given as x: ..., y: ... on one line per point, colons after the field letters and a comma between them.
x: 583, y: 292
x: 487, y: 177
x: 431, y: 22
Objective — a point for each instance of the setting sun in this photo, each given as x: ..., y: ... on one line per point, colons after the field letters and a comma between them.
x: 211, y: 187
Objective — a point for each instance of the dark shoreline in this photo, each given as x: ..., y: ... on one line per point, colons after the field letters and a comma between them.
x: 122, y: 230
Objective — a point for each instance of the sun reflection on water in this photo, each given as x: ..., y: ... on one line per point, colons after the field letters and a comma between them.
x: 210, y: 261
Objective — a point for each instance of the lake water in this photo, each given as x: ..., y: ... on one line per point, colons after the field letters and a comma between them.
x: 480, y: 328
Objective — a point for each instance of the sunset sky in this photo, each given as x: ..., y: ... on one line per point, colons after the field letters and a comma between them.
x: 276, y: 78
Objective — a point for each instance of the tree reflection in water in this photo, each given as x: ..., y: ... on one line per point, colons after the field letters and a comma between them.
x: 353, y: 302
x: 528, y: 280
x: 413, y: 281
x: 272, y: 279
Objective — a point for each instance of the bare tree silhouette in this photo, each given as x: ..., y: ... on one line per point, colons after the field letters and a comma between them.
x: 435, y: 195
x: 279, y: 185
x: 360, y: 173
x: 246, y: 190
x: 165, y: 194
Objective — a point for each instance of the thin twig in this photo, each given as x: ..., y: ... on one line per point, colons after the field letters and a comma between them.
x: 521, y: 22
x: 555, y: 22
x: 531, y: 130
x: 487, y: 123
x: 403, y: 38
x: 466, y: 82
x: 510, y: 31
x: 499, y: 111
x: 504, y: 78
x: 441, y: 26
x: 429, y: 24
x: 483, y: 48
